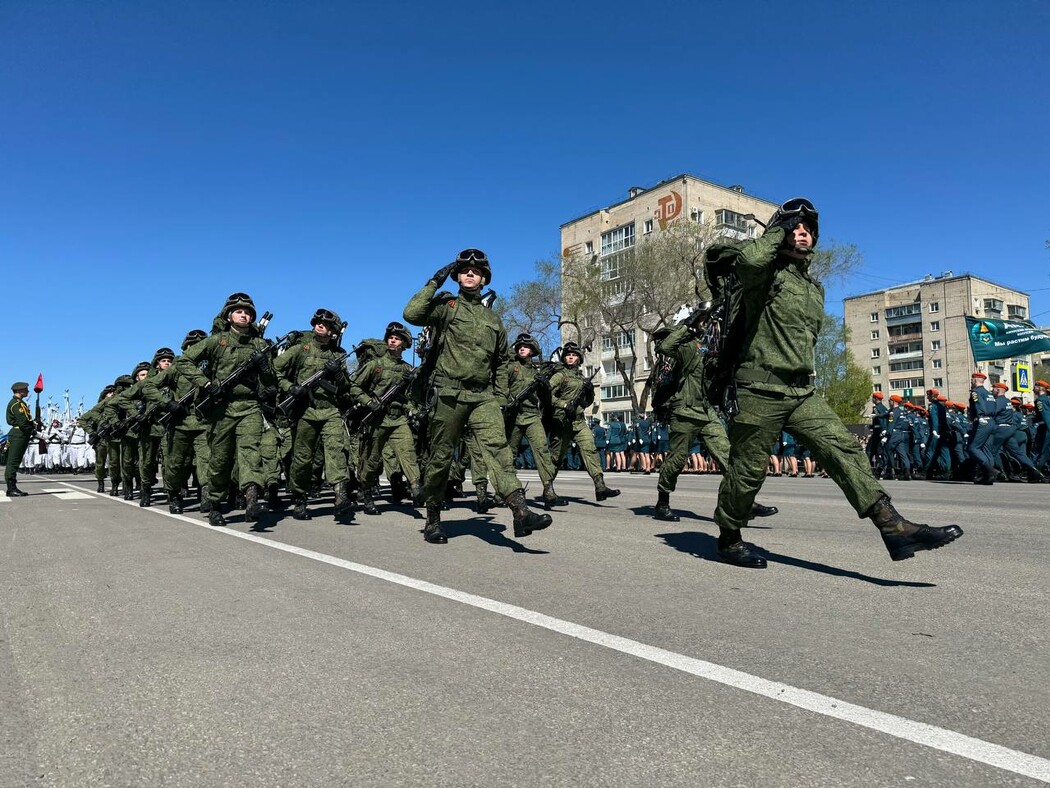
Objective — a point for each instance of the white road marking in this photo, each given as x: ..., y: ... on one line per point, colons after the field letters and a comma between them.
x: 899, y: 727
x: 66, y: 495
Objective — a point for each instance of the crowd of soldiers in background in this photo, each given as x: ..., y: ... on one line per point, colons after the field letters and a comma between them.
x: 987, y: 439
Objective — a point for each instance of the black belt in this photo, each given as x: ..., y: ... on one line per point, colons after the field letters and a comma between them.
x: 765, y: 376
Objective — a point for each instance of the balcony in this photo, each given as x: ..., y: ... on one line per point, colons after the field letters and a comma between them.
x: 905, y: 356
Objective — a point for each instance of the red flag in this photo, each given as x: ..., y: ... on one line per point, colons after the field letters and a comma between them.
x: 39, y: 383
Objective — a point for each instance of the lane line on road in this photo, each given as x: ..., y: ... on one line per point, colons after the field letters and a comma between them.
x: 899, y: 727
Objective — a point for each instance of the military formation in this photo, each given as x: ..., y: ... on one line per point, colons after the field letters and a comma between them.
x: 263, y: 423
x: 987, y: 439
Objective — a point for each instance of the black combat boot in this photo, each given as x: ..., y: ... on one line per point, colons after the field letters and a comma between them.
x: 734, y: 550
x: 368, y: 503
x: 601, y: 492
x: 215, y: 517
x: 550, y: 498
x: 114, y: 489
x: 253, y: 508
x: 525, y: 521
x: 145, y: 495
x: 14, y: 492
x: 129, y: 490
x: 398, y: 487
x: 102, y: 487
x: 175, y: 503
x: 758, y: 510
x: 206, y: 504
x: 432, y: 531
x: 299, y: 508
x: 485, y: 501
x: 273, y: 498
x: 1034, y: 477
x: 904, y: 538
x: 663, y: 507
x: 342, y: 498
x: 416, y: 491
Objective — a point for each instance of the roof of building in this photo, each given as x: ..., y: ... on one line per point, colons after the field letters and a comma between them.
x: 635, y: 191
x: 947, y: 276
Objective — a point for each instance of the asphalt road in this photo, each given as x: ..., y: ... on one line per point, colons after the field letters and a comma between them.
x: 139, y: 648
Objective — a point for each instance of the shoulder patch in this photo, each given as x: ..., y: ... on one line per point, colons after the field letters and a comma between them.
x: 222, y: 343
x: 451, y: 303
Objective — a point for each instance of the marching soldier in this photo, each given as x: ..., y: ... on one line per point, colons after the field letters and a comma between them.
x: 1041, y: 447
x: 370, y: 382
x: 982, y: 410
x: 185, y: 435
x: 468, y: 365
x: 528, y: 419
x: 22, y: 431
x: 235, y: 422
x: 571, y: 393
x: 782, y: 306
x: 91, y: 421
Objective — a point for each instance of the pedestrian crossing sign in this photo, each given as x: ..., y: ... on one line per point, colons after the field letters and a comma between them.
x: 1022, y: 377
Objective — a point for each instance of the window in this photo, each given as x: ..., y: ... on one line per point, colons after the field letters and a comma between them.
x: 907, y: 347
x: 935, y: 344
x: 906, y: 366
x: 876, y: 352
x: 731, y: 219
x: 874, y: 334
x: 935, y: 306
x: 877, y: 387
x: 612, y: 267
x: 697, y: 216
x: 908, y: 383
x: 876, y: 370
x: 590, y: 370
x: 903, y: 311
x: 623, y: 339
x: 617, y: 391
x: 590, y: 247
x: 935, y: 325
x: 1017, y: 312
x: 938, y: 364
x: 993, y: 305
x: 648, y: 227
x: 938, y: 383
x: 874, y: 317
x: 617, y: 240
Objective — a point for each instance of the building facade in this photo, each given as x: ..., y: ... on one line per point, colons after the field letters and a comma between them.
x: 610, y: 236
x: 913, y: 336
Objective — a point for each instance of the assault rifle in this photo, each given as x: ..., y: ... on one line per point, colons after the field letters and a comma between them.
x: 179, y: 407
x: 543, y: 376
x: 213, y: 393
x: 288, y: 406
x: 363, y: 419
x: 583, y: 397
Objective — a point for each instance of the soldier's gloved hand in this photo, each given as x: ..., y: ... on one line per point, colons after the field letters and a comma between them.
x: 210, y: 389
x: 375, y: 405
x: 442, y: 273
x: 296, y: 391
x: 174, y: 408
x: 333, y: 365
x: 268, y: 393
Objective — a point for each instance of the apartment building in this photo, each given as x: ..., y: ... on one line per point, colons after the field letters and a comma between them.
x: 913, y: 336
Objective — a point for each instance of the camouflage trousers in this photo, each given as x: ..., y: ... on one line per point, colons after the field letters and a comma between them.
x: 397, y: 438
x: 561, y: 441
x: 450, y: 417
x: 184, y: 451
x: 532, y: 428
x: 305, y: 438
x: 763, y: 415
x: 683, y: 431
x: 234, y: 438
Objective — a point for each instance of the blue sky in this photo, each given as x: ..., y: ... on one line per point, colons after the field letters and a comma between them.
x: 156, y: 156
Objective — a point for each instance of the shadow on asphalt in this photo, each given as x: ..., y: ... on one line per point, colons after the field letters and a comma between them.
x: 705, y: 546
x: 489, y: 531
x: 684, y: 514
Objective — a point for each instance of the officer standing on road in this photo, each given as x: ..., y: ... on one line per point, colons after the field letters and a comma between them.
x: 783, y: 306
x: 22, y: 430
x: 467, y: 366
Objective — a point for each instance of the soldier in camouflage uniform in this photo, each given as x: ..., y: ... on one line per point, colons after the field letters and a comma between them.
x: 112, y: 414
x: 235, y: 422
x: 150, y: 434
x: 468, y: 367
x: 185, y: 435
x: 320, y: 422
x: 528, y: 420
x: 370, y: 382
x: 125, y: 405
x: 91, y: 421
x: 783, y: 306
x: 570, y: 423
